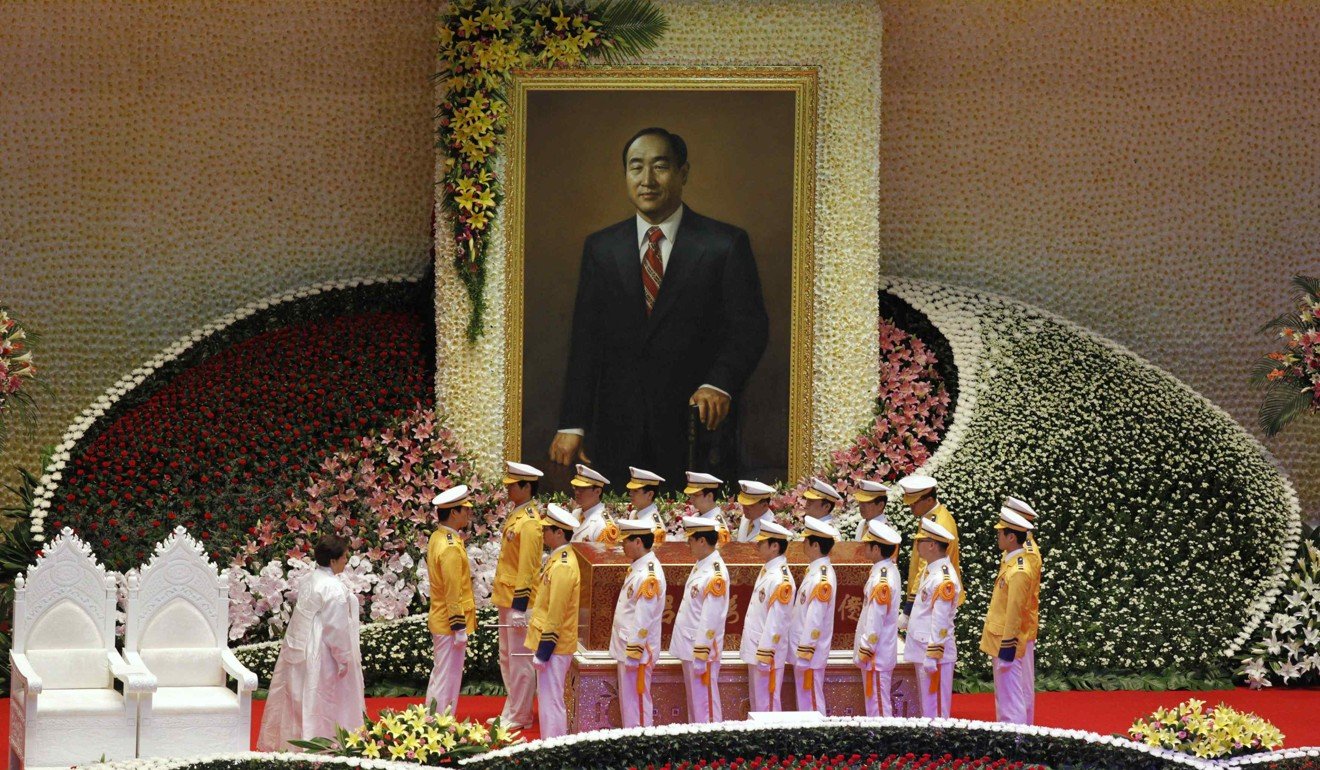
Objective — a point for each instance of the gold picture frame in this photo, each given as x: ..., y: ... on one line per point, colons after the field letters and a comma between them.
x: 801, y: 82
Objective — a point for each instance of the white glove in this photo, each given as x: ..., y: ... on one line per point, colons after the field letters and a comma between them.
x: 343, y: 670
x: 928, y: 665
x: 631, y: 663
x: 902, y: 621
x: 460, y: 638
x: 699, y: 666
x: 764, y: 668
x: 539, y: 664
x: 518, y: 619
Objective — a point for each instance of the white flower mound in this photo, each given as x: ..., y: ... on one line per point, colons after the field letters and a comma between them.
x: 1167, y: 529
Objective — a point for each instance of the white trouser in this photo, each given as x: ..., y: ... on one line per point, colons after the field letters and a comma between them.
x: 550, y: 684
x: 876, y: 688
x: 1010, y: 705
x: 765, y: 687
x: 935, y: 704
x: 1029, y: 681
x: 635, y: 705
x: 703, y: 697
x: 810, y: 698
x: 446, y: 673
x: 517, y: 672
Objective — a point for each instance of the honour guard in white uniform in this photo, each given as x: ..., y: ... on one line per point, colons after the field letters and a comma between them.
x: 930, y: 644
x: 515, y: 586
x: 553, y: 632
x: 635, y: 636
x: 875, y: 645
x: 597, y: 525
x: 698, y: 635
x: 754, y: 497
x: 700, y: 491
x: 1034, y: 555
x: 821, y: 500
x: 453, y: 612
x: 765, y: 634
x: 871, y: 497
x: 811, y: 628
x: 1008, y: 619
x: 919, y: 495
x: 642, y: 488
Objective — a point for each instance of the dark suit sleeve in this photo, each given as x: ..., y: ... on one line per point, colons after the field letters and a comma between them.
x: 745, y: 322
x: 580, y: 380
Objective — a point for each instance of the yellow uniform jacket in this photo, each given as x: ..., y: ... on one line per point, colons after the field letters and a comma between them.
x: 1031, y: 550
x: 520, y: 559
x: 917, y: 565
x: 1009, y: 617
x: 452, y: 607
x: 555, y: 617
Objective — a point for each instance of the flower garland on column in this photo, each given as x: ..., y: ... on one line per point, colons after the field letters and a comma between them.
x: 481, y: 43
x: 16, y: 370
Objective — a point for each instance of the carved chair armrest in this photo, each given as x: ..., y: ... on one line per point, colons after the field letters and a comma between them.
x: 25, y: 675
x: 132, y: 672
x: 247, y: 681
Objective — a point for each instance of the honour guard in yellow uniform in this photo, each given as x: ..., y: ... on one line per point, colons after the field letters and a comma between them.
x: 553, y: 632
x: 930, y: 644
x: 515, y: 584
x: 1031, y: 550
x: 597, y: 525
x: 811, y: 629
x: 754, y: 497
x: 700, y: 491
x: 875, y: 645
x: 453, y: 612
x: 698, y: 636
x: 1009, y: 618
x: 635, y: 636
x: 821, y: 499
x: 642, y: 488
x: 919, y: 495
x: 764, y: 646
x: 871, y: 497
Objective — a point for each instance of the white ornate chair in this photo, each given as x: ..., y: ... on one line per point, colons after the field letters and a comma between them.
x: 177, y: 629
x: 63, y: 707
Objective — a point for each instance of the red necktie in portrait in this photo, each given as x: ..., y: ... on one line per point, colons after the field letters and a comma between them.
x: 653, y: 268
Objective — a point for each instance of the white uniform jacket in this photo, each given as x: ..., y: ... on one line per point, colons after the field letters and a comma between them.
x: 876, y: 640
x: 930, y: 627
x: 748, y: 530
x: 699, y: 628
x: 638, y: 611
x: 812, y: 628
x: 596, y: 527
x: 765, y: 629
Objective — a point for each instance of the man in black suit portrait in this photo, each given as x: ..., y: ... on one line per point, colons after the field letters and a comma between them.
x: 669, y: 318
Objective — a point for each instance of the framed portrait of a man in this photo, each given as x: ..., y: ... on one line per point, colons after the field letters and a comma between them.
x: 660, y: 272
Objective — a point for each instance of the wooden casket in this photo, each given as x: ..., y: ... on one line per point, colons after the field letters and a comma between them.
x: 592, y: 687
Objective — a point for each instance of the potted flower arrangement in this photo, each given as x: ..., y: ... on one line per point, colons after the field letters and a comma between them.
x: 416, y: 734
x: 1291, y: 377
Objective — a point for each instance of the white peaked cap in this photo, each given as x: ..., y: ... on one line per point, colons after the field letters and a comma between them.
x: 1021, y: 507
x: 916, y: 483
x: 819, y: 490
x: 770, y: 529
x: 868, y: 490
x: 520, y: 472
x: 586, y: 477
x: 452, y: 498
x: 879, y: 532
x: 755, y: 488
x: 556, y: 516
x: 930, y: 530
x: 697, y: 482
x: 814, y: 526
x: 1011, y: 519
x: 698, y: 524
x: 640, y: 477
x: 640, y: 526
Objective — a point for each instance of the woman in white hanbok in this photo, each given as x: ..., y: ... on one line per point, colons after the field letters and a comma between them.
x: 317, y: 684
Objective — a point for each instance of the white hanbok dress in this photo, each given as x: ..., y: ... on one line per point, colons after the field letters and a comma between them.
x: 317, y: 684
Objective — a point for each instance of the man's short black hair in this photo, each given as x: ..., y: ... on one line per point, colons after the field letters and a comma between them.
x: 647, y: 538
x: 443, y: 514
x: 1018, y: 535
x: 826, y: 543
x: 887, y: 550
x: 710, y: 538
x: 779, y: 541
x: 329, y: 548
x: 535, y: 485
x: 676, y: 144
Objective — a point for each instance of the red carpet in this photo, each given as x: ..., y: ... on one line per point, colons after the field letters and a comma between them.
x: 1292, y: 711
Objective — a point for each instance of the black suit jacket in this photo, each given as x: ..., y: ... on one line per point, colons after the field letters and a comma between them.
x: 629, y: 375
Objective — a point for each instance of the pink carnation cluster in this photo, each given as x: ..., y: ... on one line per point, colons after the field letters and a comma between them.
x: 912, y: 410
